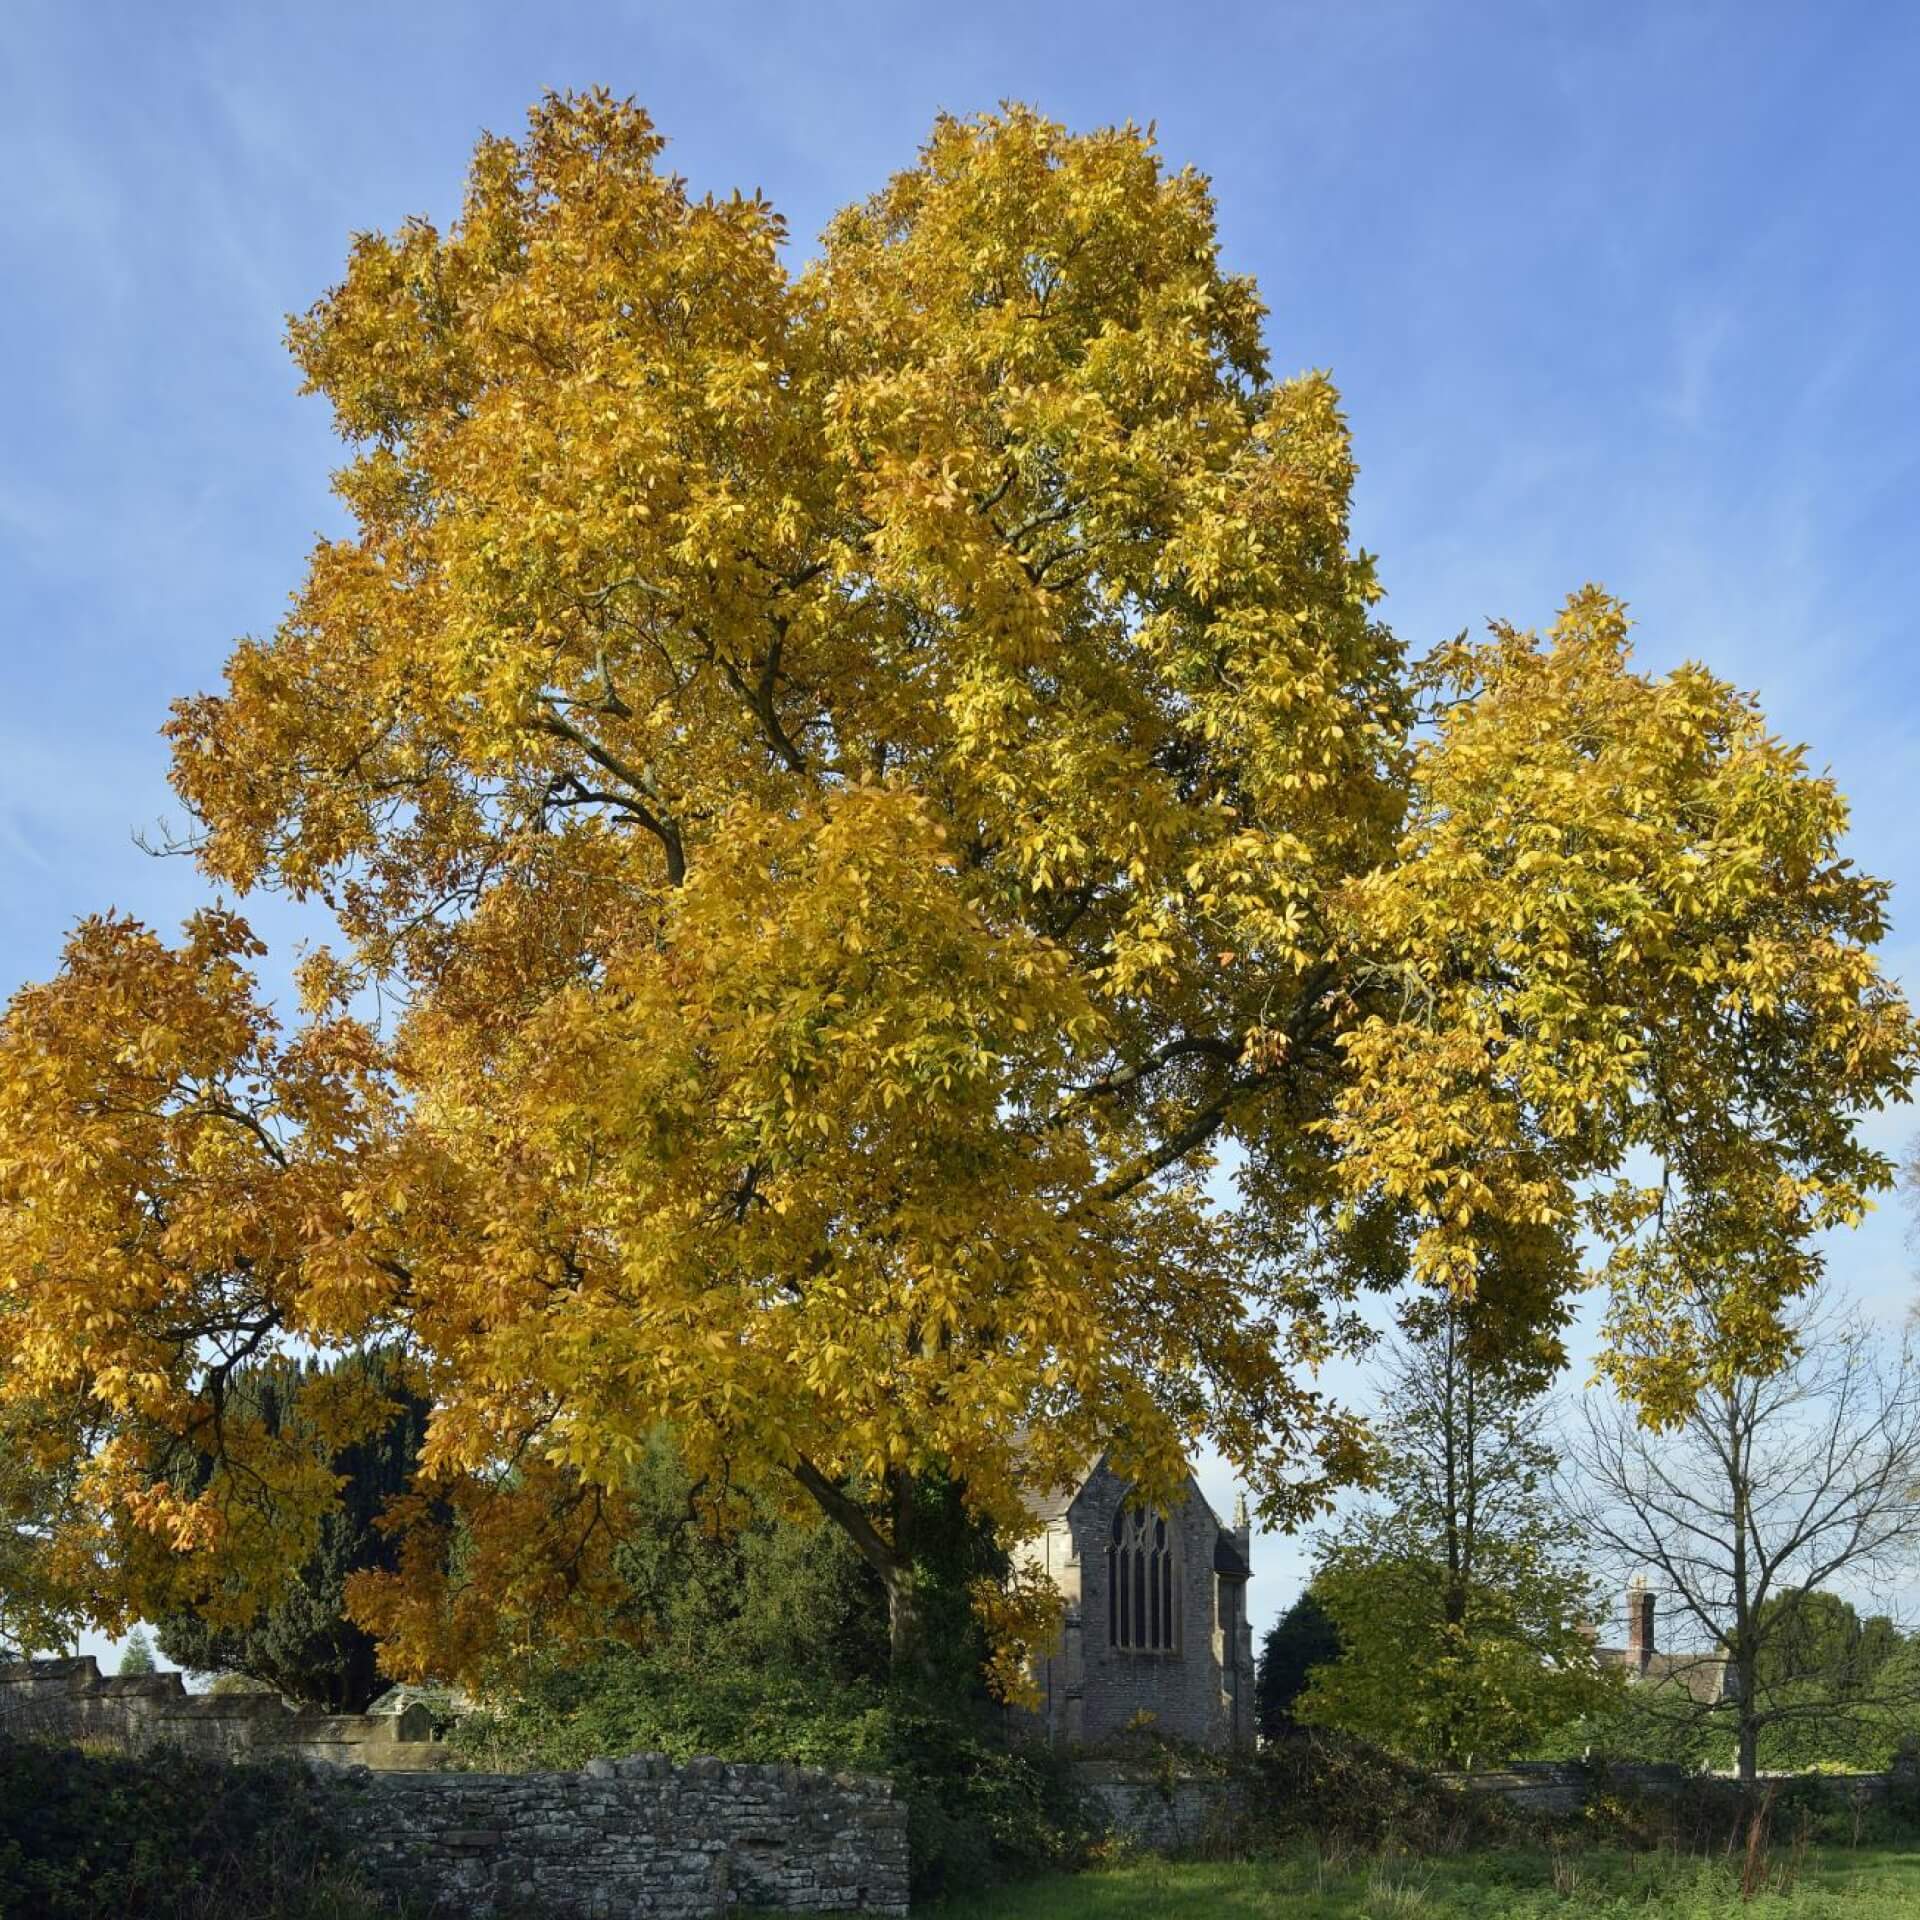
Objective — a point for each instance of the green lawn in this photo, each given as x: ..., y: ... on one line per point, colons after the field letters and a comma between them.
x: 1871, y: 1884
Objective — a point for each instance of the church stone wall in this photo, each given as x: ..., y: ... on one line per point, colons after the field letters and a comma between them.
x: 1185, y: 1813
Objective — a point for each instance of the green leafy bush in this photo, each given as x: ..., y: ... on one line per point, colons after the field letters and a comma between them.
x: 1326, y: 1788
x: 89, y: 1836
x: 978, y: 1810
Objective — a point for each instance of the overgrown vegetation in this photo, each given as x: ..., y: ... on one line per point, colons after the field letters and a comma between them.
x: 1333, y: 1830
x: 95, y: 1836
x: 1524, y: 1883
x: 1333, y: 1790
x: 767, y: 1639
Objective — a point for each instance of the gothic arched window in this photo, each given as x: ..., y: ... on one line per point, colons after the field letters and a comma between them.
x: 1140, y: 1582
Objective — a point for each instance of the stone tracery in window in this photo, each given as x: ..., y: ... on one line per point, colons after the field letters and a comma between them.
x: 1140, y: 1582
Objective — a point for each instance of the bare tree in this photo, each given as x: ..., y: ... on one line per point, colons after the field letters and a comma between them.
x: 1772, y: 1489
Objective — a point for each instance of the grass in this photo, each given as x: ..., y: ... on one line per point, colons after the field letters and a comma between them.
x: 1591, y: 1884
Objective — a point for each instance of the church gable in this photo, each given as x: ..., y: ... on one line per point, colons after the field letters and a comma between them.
x: 1156, y: 1629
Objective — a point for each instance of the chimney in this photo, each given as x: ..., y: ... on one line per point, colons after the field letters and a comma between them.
x: 1639, y: 1622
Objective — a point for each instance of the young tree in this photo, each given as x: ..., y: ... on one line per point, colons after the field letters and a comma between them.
x: 860, y: 784
x: 1303, y: 1638
x: 303, y: 1645
x: 1461, y: 1613
x: 137, y: 1655
x: 1773, y: 1487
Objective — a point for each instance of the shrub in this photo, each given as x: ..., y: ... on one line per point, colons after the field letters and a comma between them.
x: 1322, y: 1787
x: 90, y: 1836
x: 979, y: 1811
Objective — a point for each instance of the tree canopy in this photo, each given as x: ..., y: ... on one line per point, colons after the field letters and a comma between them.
x: 901, y: 914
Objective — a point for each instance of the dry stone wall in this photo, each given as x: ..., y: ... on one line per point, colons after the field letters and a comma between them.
x: 633, y: 1836
x: 638, y: 1836
x: 1562, y: 1787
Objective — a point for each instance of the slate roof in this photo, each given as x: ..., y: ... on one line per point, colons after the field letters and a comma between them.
x: 1052, y: 1506
x: 1702, y: 1676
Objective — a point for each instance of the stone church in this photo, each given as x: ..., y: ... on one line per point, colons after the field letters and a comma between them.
x: 1156, y: 1616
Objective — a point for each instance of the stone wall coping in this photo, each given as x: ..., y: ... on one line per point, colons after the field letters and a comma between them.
x: 80, y: 1666
x: 657, y: 1766
x: 140, y: 1686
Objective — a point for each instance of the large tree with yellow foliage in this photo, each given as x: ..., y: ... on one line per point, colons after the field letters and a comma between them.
x: 922, y: 924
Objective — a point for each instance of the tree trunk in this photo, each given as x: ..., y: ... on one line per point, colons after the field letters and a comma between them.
x: 906, y: 1646
x: 891, y: 1558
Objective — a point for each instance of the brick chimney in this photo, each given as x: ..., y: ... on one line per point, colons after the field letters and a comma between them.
x: 1639, y: 1622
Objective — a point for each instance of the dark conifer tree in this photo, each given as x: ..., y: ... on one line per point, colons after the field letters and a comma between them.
x: 1303, y: 1638
x: 304, y: 1646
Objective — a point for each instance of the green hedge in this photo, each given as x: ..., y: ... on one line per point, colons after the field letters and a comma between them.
x: 91, y: 1836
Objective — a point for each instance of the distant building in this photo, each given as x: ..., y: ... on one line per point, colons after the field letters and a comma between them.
x: 1156, y: 1616
x: 1703, y: 1676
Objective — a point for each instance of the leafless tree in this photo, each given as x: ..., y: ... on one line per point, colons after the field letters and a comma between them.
x: 1774, y: 1487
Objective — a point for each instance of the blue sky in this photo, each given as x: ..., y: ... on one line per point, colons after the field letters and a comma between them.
x: 1614, y: 292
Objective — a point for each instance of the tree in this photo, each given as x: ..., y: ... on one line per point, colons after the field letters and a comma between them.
x: 1774, y: 1485
x: 1461, y: 1614
x: 1811, y: 1635
x: 137, y: 1655
x: 35, y: 1616
x: 303, y: 1645
x: 858, y: 789
x: 1856, y: 1704
x: 1303, y: 1638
